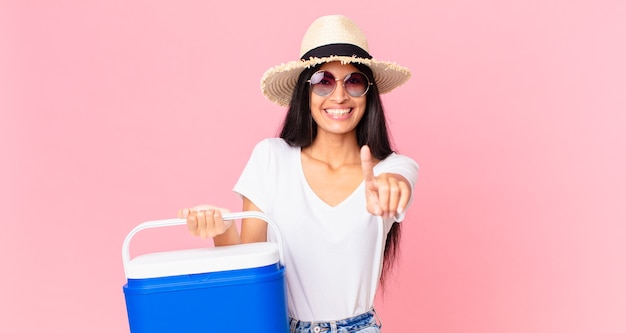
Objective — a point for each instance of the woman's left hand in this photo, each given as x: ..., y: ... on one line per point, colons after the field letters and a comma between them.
x: 387, y: 194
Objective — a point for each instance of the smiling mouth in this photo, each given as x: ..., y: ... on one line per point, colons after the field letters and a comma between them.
x: 338, y: 112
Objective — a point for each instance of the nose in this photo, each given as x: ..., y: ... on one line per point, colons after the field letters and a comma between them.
x: 339, y: 95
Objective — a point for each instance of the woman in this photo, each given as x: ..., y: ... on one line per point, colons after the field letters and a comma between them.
x: 331, y: 181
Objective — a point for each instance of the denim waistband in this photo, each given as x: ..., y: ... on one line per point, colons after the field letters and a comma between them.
x: 352, y: 324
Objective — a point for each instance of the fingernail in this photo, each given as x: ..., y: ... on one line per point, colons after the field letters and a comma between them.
x: 400, y: 210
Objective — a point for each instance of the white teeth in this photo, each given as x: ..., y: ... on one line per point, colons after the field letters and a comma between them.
x: 338, y: 112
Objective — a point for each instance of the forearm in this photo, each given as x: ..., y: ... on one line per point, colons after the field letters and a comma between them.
x: 229, y: 237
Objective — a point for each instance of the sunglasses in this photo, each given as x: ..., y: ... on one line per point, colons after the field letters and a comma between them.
x: 323, y: 83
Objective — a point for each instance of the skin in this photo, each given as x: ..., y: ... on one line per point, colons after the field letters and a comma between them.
x: 334, y: 166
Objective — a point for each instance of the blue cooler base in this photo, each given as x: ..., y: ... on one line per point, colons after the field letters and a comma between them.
x: 246, y: 300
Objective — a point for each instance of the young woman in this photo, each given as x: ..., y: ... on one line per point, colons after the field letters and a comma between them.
x: 331, y: 181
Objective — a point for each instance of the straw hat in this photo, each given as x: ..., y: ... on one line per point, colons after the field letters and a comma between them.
x: 330, y: 38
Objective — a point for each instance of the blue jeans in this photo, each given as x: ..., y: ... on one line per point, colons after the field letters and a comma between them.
x: 363, y: 323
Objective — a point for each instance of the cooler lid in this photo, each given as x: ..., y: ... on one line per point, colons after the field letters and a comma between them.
x: 203, y: 260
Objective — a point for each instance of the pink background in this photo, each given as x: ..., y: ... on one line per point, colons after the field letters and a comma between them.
x: 117, y: 112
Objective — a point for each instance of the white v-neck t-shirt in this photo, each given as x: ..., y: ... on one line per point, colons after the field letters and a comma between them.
x: 333, y: 254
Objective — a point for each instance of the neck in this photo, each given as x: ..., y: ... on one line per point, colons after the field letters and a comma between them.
x: 335, y: 150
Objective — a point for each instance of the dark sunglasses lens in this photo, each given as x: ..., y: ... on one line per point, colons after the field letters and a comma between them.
x: 323, y: 83
x: 356, y: 84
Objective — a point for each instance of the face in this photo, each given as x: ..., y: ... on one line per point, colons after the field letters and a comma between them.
x: 338, y: 112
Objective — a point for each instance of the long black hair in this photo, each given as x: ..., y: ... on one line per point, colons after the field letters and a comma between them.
x: 299, y: 130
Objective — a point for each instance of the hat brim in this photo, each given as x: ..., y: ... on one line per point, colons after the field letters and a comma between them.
x: 278, y: 83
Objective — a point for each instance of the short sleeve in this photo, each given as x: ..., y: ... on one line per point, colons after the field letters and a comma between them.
x: 251, y: 181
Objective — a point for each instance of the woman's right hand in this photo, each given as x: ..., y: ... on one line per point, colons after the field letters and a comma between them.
x: 205, y: 220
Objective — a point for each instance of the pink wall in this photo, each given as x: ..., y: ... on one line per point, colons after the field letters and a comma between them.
x: 117, y: 112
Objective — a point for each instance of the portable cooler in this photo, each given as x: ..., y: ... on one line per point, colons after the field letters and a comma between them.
x: 227, y: 289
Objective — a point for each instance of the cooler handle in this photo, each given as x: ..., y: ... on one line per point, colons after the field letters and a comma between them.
x: 225, y: 217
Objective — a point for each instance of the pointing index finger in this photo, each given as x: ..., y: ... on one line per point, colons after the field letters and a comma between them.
x: 371, y: 188
x: 367, y: 164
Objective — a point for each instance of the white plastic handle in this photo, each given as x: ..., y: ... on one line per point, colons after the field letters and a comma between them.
x: 225, y: 217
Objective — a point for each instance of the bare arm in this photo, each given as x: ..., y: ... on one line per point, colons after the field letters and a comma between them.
x: 206, y: 221
x: 252, y: 230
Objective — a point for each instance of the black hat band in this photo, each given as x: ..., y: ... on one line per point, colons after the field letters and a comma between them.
x: 339, y: 49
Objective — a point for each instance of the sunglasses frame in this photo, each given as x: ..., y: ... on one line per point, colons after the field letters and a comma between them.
x: 367, y: 88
